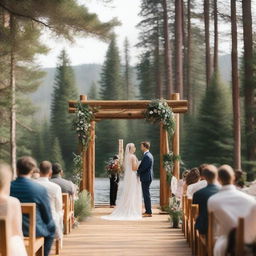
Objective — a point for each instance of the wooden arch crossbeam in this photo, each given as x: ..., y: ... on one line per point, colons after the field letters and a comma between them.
x: 130, y: 109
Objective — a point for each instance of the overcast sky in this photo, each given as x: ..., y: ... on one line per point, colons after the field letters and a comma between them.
x: 91, y: 50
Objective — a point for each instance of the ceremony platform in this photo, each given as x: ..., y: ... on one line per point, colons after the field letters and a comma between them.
x: 150, y: 236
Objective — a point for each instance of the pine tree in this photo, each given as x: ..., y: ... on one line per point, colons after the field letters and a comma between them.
x: 214, y: 140
x: 56, y: 155
x: 111, y: 81
x: 61, y: 121
x: 111, y: 88
x: 93, y: 92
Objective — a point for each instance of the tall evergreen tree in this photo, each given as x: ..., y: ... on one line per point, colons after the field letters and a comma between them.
x: 56, y: 155
x: 64, y: 90
x: 111, y: 81
x: 214, y: 140
x: 93, y: 92
x: 112, y: 88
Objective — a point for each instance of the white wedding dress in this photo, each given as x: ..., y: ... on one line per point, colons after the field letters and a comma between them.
x: 129, y: 207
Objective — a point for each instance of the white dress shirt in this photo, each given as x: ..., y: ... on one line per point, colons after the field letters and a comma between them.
x: 228, y: 205
x: 55, y: 195
x: 251, y: 190
x: 250, y: 226
x: 193, y: 188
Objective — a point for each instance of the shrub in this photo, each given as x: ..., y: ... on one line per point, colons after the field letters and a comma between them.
x: 83, y: 206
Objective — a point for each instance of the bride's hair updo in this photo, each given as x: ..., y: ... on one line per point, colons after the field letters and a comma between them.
x: 130, y: 145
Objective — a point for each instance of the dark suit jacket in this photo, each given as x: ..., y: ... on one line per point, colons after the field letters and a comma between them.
x: 145, y: 170
x: 28, y: 191
x: 201, y: 198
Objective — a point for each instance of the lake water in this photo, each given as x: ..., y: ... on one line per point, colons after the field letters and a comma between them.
x: 102, y: 188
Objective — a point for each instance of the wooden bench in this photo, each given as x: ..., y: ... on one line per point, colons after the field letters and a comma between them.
x: 34, y: 245
x: 3, y: 237
x: 68, y: 207
x: 193, y: 236
x: 240, y: 238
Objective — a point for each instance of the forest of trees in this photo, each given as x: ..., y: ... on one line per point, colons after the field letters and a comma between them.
x: 178, y: 52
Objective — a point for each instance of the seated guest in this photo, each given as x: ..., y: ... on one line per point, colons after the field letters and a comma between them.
x: 177, y: 186
x: 67, y: 186
x: 10, y: 207
x: 201, y: 197
x: 192, y: 178
x: 29, y: 191
x: 227, y: 205
x: 251, y: 190
x: 35, y: 174
x: 250, y: 227
x: 201, y: 183
x: 54, y: 192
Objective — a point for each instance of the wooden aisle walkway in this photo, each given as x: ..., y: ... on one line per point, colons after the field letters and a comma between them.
x: 151, y: 237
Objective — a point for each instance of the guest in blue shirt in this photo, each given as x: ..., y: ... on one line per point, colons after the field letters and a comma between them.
x: 28, y: 191
x: 201, y: 197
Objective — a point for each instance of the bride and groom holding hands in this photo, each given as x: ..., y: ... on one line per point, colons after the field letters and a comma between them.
x: 137, y: 179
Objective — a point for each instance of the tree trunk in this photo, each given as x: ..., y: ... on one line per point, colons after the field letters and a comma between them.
x: 235, y: 89
x: 216, y: 34
x: 13, y: 97
x: 178, y: 48
x: 207, y: 42
x: 127, y: 69
x: 167, y: 52
x: 158, y: 75
x: 188, y: 59
x: 249, y: 86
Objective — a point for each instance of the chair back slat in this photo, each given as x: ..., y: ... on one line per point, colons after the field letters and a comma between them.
x: 3, y: 237
x: 240, y: 238
x: 210, y: 237
x: 30, y: 210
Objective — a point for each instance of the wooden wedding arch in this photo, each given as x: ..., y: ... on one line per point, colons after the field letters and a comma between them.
x: 130, y: 109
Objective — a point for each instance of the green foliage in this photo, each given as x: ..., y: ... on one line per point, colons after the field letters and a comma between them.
x: 168, y: 163
x: 66, y: 18
x: 77, y: 169
x: 93, y: 92
x: 83, y: 207
x: 111, y: 81
x: 56, y: 155
x: 213, y: 129
x: 82, y: 123
x: 61, y: 121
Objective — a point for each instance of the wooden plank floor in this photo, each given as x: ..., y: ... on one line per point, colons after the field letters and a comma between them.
x: 150, y: 236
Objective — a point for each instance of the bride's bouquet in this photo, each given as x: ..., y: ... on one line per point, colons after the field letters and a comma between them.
x: 113, y: 167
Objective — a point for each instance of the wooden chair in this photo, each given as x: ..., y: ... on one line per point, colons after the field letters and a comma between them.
x: 185, y: 216
x: 34, y: 245
x: 183, y: 210
x: 194, y: 214
x: 210, y: 236
x: 189, y: 238
x: 55, y: 251
x: 68, y: 206
x: 3, y: 237
x: 240, y: 238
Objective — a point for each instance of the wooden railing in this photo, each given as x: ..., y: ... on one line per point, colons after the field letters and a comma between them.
x: 68, y: 207
x: 202, y: 245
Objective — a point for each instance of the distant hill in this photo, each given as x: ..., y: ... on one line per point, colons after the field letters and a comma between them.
x: 86, y: 74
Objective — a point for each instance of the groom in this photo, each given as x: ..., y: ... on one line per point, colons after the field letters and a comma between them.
x: 145, y: 171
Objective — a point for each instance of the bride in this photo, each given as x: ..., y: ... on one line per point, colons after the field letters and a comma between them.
x: 129, y: 207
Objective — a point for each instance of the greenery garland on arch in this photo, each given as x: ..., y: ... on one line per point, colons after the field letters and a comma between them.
x: 158, y: 111
x: 84, y: 115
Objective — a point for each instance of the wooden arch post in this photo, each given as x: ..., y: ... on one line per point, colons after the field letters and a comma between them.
x: 164, y: 149
x: 89, y: 161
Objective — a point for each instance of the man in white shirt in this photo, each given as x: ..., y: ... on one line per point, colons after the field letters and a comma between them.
x: 202, y: 183
x: 55, y: 195
x: 227, y: 205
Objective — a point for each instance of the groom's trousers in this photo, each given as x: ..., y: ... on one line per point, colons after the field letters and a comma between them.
x: 146, y: 195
